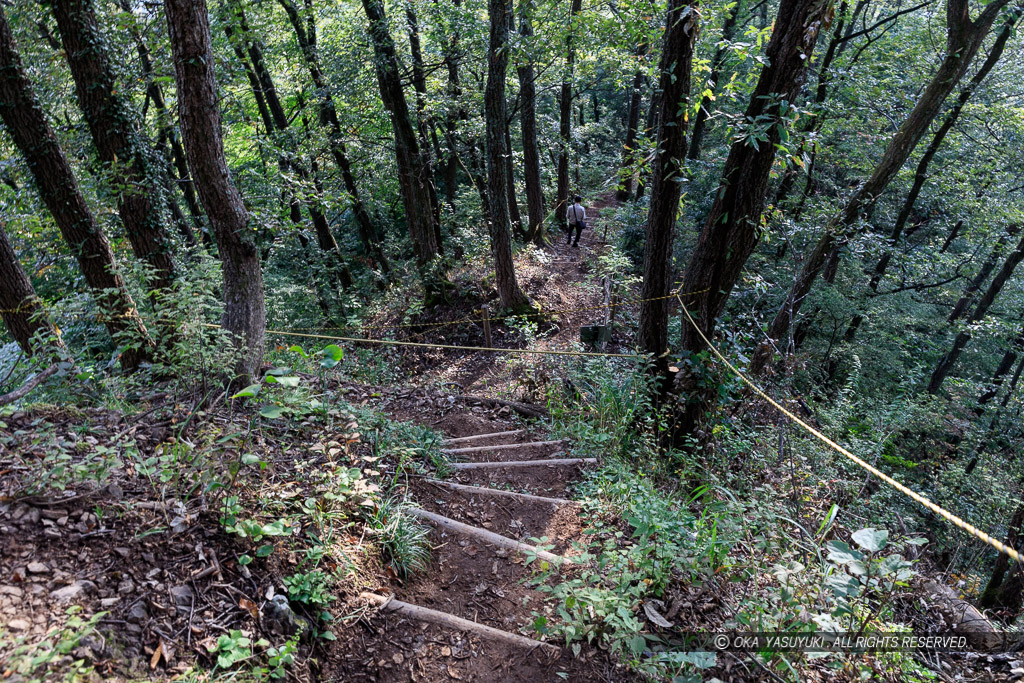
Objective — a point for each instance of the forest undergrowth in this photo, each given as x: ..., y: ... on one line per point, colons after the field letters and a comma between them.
x: 298, y: 486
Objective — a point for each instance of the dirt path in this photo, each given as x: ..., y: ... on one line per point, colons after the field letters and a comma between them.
x: 474, y: 579
x: 563, y: 284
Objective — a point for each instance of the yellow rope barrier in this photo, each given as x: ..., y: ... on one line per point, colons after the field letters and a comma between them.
x: 394, y: 342
x: 937, y: 509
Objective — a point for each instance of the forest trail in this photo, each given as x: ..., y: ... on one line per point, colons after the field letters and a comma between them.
x: 558, y: 282
x: 472, y: 578
x: 469, y: 577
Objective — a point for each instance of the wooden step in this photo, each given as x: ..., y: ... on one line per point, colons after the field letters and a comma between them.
x: 487, y: 536
x: 497, y: 492
x: 501, y: 447
x: 478, y: 437
x: 520, y: 463
x: 389, y: 604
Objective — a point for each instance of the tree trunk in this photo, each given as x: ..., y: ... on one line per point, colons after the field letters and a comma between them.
x: 528, y: 127
x: 279, y: 121
x: 174, y: 158
x: 717, y: 62
x: 514, y: 215
x: 429, y: 145
x: 960, y: 308
x: 28, y: 126
x: 949, y: 360
x: 496, y: 119
x: 244, y: 311
x: 1005, y: 364
x: 23, y: 312
x: 1004, y: 592
x: 953, y: 234
x: 636, y: 96
x: 306, y: 36
x: 674, y: 83
x: 964, y: 38
x: 921, y: 175
x: 650, y: 131
x: 455, y: 114
x: 810, y: 124
x: 128, y: 158
x: 565, y: 118
x: 732, y: 227
x: 414, y: 177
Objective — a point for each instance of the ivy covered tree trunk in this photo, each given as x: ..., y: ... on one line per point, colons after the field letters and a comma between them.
x: 674, y: 82
x: 414, y: 178
x: 528, y: 127
x: 963, y: 40
x: 128, y: 158
x: 27, y: 125
x: 23, y: 312
x: 244, y: 306
x: 733, y: 225
x: 495, y: 113
x: 565, y: 117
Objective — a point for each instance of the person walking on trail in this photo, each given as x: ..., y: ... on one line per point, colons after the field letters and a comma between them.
x: 577, y: 217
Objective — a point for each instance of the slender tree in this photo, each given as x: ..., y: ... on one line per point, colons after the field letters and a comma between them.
x: 278, y: 121
x: 496, y: 119
x: 717, y: 63
x: 244, y: 306
x: 306, y: 36
x: 964, y: 38
x: 168, y: 144
x: 636, y: 96
x: 945, y: 365
x: 1005, y: 587
x: 28, y: 126
x: 565, y: 115
x: 528, y: 126
x: 23, y: 312
x: 674, y: 83
x: 921, y: 174
x: 114, y: 126
x: 414, y: 177
x: 733, y: 225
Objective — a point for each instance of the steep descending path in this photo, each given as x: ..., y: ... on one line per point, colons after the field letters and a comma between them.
x: 469, y: 616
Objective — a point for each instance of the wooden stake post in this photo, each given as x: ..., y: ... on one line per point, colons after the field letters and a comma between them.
x: 487, y: 326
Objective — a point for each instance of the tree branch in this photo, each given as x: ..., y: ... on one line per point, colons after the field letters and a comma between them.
x: 28, y: 386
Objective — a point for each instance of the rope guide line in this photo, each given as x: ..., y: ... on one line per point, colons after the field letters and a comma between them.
x: 937, y: 509
x: 394, y: 342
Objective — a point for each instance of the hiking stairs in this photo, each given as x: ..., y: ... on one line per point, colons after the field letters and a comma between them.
x: 487, y: 568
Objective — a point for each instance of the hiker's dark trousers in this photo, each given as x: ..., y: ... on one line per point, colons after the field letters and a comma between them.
x: 578, y: 227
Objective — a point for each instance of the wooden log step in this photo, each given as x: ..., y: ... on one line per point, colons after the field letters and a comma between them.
x: 478, y: 437
x: 497, y: 492
x: 486, y: 536
x: 502, y: 447
x: 520, y: 463
x: 390, y: 604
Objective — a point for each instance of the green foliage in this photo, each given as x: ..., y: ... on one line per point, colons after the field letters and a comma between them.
x: 50, y: 657
x: 311, y: 589
x: 404, y: 542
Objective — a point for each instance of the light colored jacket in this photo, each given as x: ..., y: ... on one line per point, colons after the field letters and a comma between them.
x: 576, y: 214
